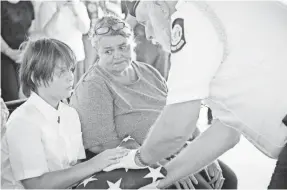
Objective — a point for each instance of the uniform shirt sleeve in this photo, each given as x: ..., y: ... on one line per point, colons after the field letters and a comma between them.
x: 94, y: 105
x: 196, y: 55
x: 26, y: 151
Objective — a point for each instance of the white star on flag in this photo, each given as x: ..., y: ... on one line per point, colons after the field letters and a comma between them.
x: 86, y: 181
x: 154, y: 173
x: 188, y: 142
x: 127, y: 138
x: 126, y: 169
x: 114, y: 185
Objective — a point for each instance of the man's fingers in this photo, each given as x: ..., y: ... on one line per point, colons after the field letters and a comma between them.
x: 219, y: 183
x: 183, y: 183
x: 193, y: 179
x: 189, y: 183
x: 211, y: 171
x: 215, y: 178
x: 177, y: 185
x: 222, y: 182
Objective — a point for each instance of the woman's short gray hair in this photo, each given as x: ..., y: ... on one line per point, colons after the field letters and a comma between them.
x: 109, y: 21
x: 40, y: 58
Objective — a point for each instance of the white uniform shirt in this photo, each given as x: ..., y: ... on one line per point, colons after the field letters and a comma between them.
x: 35, y: 143
x: 233, y: 55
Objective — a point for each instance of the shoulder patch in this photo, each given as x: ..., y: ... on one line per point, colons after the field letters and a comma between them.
x: 177, y: 35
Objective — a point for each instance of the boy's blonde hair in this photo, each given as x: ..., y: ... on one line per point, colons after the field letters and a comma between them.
x: 40, y: 58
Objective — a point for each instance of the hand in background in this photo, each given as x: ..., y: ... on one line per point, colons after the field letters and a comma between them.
x: 215, y: 173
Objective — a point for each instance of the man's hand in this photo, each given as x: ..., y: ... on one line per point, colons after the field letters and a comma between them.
x: 215, y: 173
x: 186, y: 183
x: 126, y: 162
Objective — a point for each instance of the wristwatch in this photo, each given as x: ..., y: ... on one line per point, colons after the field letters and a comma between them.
x: 138, y: 159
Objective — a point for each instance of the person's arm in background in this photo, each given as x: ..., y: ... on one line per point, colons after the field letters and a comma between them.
x: 13, y: 54
x: 82, y: 17
x: 32, y: 5
x: 49, y: 13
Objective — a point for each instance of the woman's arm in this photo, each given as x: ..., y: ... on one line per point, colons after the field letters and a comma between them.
x: 48, y: 17
x: 81, y: 15
x: 13, y: 54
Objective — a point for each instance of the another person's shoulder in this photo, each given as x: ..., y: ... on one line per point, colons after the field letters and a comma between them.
x: 93, y: 83
x: 94, y: 78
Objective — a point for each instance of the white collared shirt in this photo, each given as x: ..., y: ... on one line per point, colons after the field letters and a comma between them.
x: 35, y: 143
x: 243, y: 84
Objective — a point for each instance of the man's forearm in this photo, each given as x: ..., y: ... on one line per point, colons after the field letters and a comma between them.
x: 202, y: 151
x: 172, y: 128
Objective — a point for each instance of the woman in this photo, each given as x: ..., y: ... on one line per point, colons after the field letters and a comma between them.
x: 66, y: 21
x: 16, y: 18
x: 43, y: 141
x: 117, y: 97
x: 120, y: 97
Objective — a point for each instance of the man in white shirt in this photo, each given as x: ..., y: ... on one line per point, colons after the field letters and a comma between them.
x: 233, y: 56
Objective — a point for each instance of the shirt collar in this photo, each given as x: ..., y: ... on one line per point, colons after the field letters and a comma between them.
x: 46, y: 109
x: 179, y: 3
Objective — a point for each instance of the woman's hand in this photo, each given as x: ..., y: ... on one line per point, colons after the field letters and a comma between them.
x: 215, y: 173
x: 108, y: 157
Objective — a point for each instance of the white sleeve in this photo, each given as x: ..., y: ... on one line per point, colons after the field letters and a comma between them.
x: 196, y: 55
x: 46, y: 12
x: 26, y: 151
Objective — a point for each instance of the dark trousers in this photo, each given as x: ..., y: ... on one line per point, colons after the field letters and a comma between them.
x: 279, y: 177
x: 9, y: 79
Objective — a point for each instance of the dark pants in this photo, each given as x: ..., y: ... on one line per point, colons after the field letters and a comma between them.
x: 9, y: 79
x: 229, y: 183
x: 279, y: 177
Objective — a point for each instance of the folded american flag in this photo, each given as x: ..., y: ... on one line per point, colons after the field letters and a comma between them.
x: 123, y: 178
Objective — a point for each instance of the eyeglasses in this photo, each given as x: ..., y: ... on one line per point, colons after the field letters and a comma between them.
x: 104, y: 30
